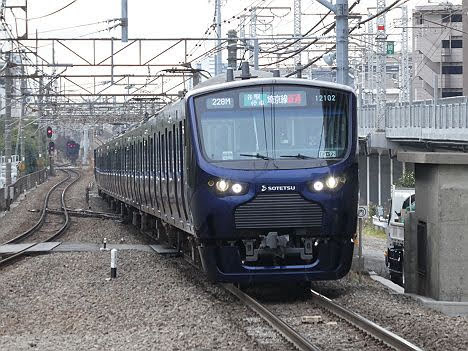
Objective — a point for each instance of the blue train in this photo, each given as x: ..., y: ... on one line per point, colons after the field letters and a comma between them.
x: 257, y: 178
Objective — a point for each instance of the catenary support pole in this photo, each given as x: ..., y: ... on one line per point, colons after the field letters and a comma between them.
x: 391, y: 171
x: 341, y: 11
x: 23, y: 116
x: 380, y: 178
x: 8, y: 120
x: 219, y: 55
x: 368, y: 180
x: 297, y: 31
x: 124, y: 21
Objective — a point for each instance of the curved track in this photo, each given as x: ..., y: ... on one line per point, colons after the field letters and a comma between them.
x: 39, y: 224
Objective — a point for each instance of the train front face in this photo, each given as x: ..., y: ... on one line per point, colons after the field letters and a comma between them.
x: 274, y: 182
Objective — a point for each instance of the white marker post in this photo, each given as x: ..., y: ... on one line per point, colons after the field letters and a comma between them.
x: 114, y: 263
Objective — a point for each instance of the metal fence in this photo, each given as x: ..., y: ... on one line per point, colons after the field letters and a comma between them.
x: 13, y: 191
x: 446, y: 119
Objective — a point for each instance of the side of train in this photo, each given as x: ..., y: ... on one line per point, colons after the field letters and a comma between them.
x: 259, y: 177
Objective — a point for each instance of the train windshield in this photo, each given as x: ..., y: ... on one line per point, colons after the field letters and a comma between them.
x: 296, y: 126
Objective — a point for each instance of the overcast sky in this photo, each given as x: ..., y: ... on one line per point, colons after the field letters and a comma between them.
x: 168, y: 18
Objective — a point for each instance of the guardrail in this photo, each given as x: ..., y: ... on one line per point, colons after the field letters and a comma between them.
x: 446, y: 120
x: 13, y: 191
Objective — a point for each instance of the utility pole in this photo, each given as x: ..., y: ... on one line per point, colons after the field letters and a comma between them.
x: 232, y: 49
x: 124, y: 21
x: 40, y: 112
x: 219, y: 55
x: 370, y: 60
x: 8, y: 120
x: 253, y: 35
x: 23, y: 115
x: 341, y: 11
x: 381, y: 66
x: 405, y: 81
x: 297, y: 32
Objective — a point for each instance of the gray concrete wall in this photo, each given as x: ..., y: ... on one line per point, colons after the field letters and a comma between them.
x: 442, y: 202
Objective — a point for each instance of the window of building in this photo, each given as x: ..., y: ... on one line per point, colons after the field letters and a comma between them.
x: 454, y: 44
x: 451, y: 18
x: 457, y: 18
x: 455, y: 69
x: 451, y: 93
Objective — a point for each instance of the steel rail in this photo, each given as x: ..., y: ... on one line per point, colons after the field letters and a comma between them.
x: 274, y: 321
x: 41, y: 220
x: 39, y: 224
x: 364, y: 324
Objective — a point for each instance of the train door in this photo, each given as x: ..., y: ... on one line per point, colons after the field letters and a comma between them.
x: 133, y: 179
x: 124, y: 170
x: 113, y: 167
x: 170, y: 177
x: 151, y: 171
x: 139, y: 170
x: 160, y: 172
x: 164, y: 174
x: 186, y: 169
x: 180, y: 135
x: 143, y: 172
x: 175, y: 137
x: 121, y: 190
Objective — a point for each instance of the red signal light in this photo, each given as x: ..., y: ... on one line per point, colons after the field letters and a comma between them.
x: 49, y: 132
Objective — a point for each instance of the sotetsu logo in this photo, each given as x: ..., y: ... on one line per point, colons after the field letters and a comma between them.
x: 268, y: 188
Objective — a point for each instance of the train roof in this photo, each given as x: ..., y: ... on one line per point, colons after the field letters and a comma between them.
x: 215, y: 86
x: 219, y: 83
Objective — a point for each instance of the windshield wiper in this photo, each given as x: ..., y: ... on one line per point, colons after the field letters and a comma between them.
x: 257, y: 155
x: 300, y: 156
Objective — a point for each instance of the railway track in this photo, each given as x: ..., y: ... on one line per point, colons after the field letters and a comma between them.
x: 378, y: 333
x: 72, y: 177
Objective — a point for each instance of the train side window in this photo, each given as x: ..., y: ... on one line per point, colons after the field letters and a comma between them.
x: 170, y: 160
x: 163, y: 155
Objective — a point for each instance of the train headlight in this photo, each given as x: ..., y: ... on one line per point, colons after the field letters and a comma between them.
x: 237, y: 188
x: 318, y: 186
x: 222, y: 185
x: 332, y: 182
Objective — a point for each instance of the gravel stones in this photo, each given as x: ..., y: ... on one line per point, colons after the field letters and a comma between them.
x: 398, y: 313
x: 64, y: 301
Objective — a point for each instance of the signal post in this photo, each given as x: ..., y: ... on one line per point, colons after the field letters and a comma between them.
x: 50, y: 151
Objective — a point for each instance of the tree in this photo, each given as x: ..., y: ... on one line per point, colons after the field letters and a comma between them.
x: 406, y: 180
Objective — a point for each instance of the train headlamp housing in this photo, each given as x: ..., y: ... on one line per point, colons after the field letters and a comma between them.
x: 222, y: 185
x: 330, y: 183
x: 226, y: 187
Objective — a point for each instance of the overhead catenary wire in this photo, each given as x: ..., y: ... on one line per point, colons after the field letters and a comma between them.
x: 331, y: 26
x: 53, y: 12
x: 385, y: 10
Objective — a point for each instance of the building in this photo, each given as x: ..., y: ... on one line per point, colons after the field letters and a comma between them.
x: 465, y: 46
x: 437, y: 51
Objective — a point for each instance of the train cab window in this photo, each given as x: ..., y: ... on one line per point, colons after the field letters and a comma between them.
x: 298, y: 126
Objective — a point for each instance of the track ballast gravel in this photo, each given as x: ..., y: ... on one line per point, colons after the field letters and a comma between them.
x: 63, y: 300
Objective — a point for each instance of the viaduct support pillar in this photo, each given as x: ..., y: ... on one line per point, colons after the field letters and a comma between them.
x: 436, y: 240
